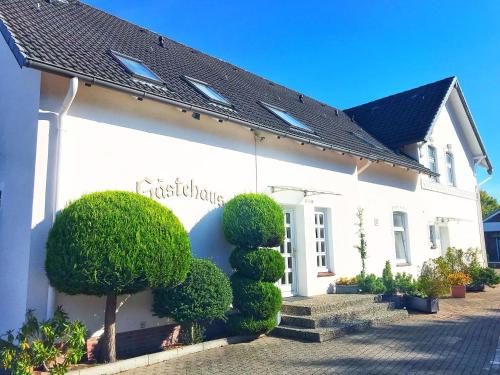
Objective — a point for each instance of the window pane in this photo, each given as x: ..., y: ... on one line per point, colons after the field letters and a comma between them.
x: 432, y: 235
x: 209, y: 92
x: 288, y: 118
x: 398, y: 219
x: 450, y: 169
x: 137, y: 68
x: 400, y: 245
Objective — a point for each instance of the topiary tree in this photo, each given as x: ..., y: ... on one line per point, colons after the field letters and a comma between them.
x: 254, y: 222
x: 204, y: 296
x: 112, y: 243
x: 388, y: 279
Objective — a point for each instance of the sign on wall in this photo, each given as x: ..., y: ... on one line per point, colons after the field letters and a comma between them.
x: 159, y: 189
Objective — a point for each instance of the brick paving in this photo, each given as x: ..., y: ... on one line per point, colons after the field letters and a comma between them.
x: 461, y: 339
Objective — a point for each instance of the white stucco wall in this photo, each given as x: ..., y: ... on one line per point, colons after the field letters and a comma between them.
x: 113, y: 141
x: 19, y: 100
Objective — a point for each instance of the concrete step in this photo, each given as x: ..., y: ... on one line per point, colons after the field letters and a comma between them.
x: 339, y: 329
x: 344, y: 315
x: 306, y: 306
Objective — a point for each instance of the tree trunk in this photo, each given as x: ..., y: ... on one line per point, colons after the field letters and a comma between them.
x: 108, y: 346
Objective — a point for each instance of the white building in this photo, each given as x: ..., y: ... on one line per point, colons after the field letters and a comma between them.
x: 89, y: 102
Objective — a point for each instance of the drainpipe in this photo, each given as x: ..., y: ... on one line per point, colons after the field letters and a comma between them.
x: 56, y: 183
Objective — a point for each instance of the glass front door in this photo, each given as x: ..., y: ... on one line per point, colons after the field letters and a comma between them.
x: 288, y: 281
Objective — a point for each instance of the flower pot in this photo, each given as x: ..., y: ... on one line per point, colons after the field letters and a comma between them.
x: 398, y: 301
x: 475, y: 288
x: 347, y: 289
x: 426, y: 305
x: 458, y: 291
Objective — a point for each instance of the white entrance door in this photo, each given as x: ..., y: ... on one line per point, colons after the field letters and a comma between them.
x: 289, y: 280
x: 444, y: 234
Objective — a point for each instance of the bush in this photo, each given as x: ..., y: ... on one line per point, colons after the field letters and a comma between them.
x: 485, y: 276
x: 346, y: 281
x: 258, y: 299
x: 253, y: 220
x: 247, y: 325
x: 405, y: 284
x: 113, y: 243
x: 258, y: 264
x: 205, y: 295
x: 116, y: 243
x: 370, y: 284
x: 388, y: 279
x: 37, y: 346
x: 432, y: 282
x: 459, y: 278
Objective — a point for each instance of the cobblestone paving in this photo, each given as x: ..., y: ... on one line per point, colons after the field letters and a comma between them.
x: 461, y: 339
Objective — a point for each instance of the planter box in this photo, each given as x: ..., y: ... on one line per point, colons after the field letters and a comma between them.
x: 458, y: 291
x: 347, y: 289
x: 475, y: 288
x: 398, y: 301
x: 426, y: 305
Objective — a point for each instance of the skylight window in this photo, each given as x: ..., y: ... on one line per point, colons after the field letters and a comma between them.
x: 208, y: 91
x: 288, y: 118
x: 136, y: 67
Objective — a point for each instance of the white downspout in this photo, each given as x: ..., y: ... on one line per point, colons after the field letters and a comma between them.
x: 56, y: 183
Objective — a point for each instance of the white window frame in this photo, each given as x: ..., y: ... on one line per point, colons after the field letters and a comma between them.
x: 322, y: 266
x: 432, y: 151
x: 406, y: 237
x: 450, y: 169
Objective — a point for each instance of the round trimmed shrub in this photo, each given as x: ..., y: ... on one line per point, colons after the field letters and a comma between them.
x: 253, y: 220
x: 247, y: 325
x: 205, y: 295
x: 116, y: 242
x: 259, y: 299
x: 259, y: 264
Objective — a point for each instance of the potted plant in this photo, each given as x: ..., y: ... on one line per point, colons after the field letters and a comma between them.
x: 458, y: 281
x: 346, y: 285
x: 482, y: 276
x: 431, y: 285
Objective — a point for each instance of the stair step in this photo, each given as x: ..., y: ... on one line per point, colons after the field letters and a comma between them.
x: 323, y: 304
x: 344, y: 315
x: 339, y: 329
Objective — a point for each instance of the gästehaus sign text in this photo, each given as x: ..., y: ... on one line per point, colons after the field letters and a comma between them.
x: 160, y: 189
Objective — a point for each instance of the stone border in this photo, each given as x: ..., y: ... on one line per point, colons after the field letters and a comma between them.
x: 151, y: 359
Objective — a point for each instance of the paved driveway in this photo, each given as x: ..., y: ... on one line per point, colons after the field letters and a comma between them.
x: 462, y: 339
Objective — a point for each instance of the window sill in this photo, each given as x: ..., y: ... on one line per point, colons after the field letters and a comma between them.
x: 403, y: 264
x: 325, y: 274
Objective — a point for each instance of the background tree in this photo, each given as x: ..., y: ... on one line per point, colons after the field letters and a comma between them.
x: 254, y: 223
x: 113, y: 243
x: 489, y: 204
x: 204, y: 296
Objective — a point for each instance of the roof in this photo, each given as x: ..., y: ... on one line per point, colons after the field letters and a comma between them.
x: 407, y: 117
x: 403, y: 118
x: 493, y: 218
x: 71, y: 38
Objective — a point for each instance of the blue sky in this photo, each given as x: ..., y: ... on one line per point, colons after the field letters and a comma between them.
x: 345, y: 52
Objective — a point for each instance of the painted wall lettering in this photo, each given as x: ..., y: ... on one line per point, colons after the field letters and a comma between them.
x: 159, y: 189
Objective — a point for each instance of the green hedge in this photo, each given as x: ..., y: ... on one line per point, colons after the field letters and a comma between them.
x: 205, y: 295
x: 116, y: 243
x: 253, y: 220
x: 247, y: 325
x: 258, y: 264
x: 258, y: 299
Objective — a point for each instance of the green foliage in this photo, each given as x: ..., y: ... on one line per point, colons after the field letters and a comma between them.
x: 362, y: 246
x: 253, y: 220
x: 205, y: 295
x: 489, y: 204
x: 258, y: 299
x: 484, y: 276
x: 258, y: 264
x: 50, y: 346
x: 405, y: 283
x: 192, y: 333
x: 432, y: 282
x: 388, y: 279
x: 116, y: 243
x: 247, y: 325
x: 454, y: 260
x: 370, y: 284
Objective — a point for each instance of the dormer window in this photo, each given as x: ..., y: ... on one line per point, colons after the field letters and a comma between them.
x: 136, y: 67
x: 288, y: 118
x: 207, y: 90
